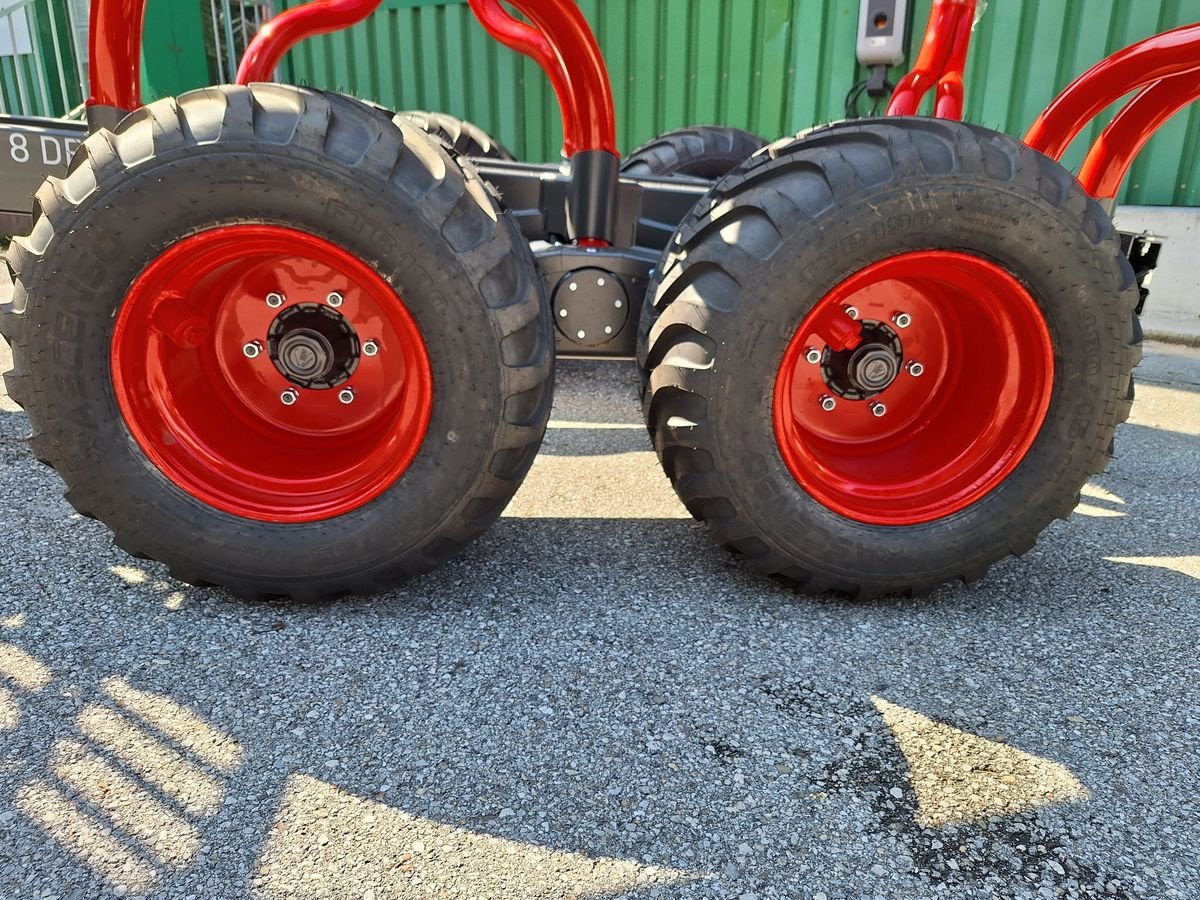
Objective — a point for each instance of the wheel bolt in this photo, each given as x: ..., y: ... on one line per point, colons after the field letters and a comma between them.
x: 288, y: 397
x: 852, y: 312
x: 827, y: 403
x: 370, y: 348
x: 915, y: 369
x: 346, y: 395
x: 334, y: 299
x: 813, y: 355
x: 274, y: 300
x: 252, y: 349
x: 902, y: 320
x: 878, y: 410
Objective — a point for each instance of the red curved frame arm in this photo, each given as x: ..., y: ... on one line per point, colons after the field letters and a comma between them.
x: 289, y: 28
x: 1170, y: 53
x: 940, y: 64
x: 562, y: 43
x: 1109, y: 159
x: 559, y: 40
x: 114, y: 53
x: 1166, y: 67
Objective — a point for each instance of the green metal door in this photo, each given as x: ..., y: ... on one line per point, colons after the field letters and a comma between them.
x: 174, y: 59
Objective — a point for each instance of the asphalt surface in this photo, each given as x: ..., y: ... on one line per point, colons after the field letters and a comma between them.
x: 593, y: 701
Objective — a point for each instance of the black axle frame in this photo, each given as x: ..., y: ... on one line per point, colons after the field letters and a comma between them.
x: 581, y: 216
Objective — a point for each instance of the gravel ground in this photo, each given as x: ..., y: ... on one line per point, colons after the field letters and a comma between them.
x: 595, y: 702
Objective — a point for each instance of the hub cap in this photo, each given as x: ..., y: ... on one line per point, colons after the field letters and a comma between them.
x: 264, y: 435
x: 313, y: 346
x: 898, y: 449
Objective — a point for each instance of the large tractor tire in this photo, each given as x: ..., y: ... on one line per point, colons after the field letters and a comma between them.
x: 464, y: 138
x: 890, y: 354
x: 279, y: 343
x: 702, y: 151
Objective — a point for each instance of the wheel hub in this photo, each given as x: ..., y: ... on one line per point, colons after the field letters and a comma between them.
x: 305, y: 354
x: 868, y: 369
x: 313, y: 346
x: 872, y: 368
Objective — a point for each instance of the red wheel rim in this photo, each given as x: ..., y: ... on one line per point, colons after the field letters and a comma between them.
x: 210, y: 413
x: 952, y: 428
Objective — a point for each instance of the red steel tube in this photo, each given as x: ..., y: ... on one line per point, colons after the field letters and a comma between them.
x: 289, y: 28
x: 559, y: 40
x: 562, y: 43
x: 949, y: 98
x: 1158, y: 57
x: 940, y: 63
x: 114, y: 53
x: 1110, y: 157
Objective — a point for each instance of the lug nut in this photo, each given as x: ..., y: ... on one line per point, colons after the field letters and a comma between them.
x: 288, y: 397
x: 581, y: 334
x: 346, y: 395
x: 902, y: 320
x: 878, y: 410
x: 334, y: 299
x: 370, y: 348
x: 274, y: 299
x: 852, y: 312
x: 573, y: 286
x: 813, y: 355
x: 915, y: 369
x: 252, y: 349
x: 827, y: 403
x: 599, y: 282
x: 562, y: 313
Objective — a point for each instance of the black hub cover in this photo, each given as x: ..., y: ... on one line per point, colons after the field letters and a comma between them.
x: 591, y: 306
x: 867, y: 369
x: 872, y: 367
x: 313, y: 346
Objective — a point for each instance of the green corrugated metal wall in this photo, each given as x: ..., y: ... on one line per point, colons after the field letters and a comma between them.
x: 672, y: 63
x: 773, y: 66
